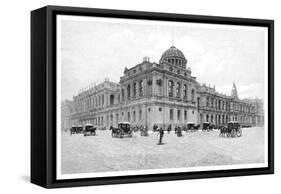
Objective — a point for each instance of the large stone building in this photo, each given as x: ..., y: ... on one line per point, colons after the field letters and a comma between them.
x: 160, y: 93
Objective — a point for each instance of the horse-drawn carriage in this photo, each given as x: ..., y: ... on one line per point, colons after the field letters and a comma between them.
x: 233, y: 129
x: 123, y: 130
x: 191, y: 126
x: 76, y: 129
x: 89, y: 130
x: 207, y: 126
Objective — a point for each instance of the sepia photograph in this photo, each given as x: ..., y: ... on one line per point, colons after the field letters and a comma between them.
x: 146, y: 96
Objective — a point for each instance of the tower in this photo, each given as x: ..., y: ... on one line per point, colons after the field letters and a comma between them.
x: 234, y: 92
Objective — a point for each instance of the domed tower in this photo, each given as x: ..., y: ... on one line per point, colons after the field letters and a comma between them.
x: 174, y: 56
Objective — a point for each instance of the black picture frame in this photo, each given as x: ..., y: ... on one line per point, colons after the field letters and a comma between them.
x: 43, y: 96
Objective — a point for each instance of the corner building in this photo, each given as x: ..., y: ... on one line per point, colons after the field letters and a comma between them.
x: 160, y: 93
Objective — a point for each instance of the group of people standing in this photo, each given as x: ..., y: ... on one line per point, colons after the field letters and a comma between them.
x: 160, y: 130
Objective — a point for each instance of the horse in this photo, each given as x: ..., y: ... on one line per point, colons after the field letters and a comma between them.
x: 144, y: 131
x: 114, y: 131
x: 155, y: 127
x: 178, y: 131
x: 223, y: 131
x: 91, y: 130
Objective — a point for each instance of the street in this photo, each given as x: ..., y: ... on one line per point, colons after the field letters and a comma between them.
x: 102, y: 153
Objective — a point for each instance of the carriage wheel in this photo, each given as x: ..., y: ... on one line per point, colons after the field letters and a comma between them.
x: 228, y: 134
x: 233, y: 133
x: 239, y: 133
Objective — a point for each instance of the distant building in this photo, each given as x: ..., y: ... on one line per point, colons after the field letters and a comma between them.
x: 66, y: 111
x: 161, y: 93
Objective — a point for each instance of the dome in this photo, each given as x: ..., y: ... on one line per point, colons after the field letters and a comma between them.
x: 174, y: 56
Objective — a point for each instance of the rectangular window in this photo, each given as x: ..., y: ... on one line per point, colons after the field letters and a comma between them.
x: 129, y: 116
x: 134, y: 116
x: 179, y: 115
x: 185, y: 115
x: 117, y: 118
x: 171, y: 114
x: 140, y: 115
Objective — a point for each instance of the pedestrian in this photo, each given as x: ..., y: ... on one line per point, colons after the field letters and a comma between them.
x: 161, y: 134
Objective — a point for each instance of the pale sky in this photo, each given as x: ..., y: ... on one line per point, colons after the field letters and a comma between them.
x: 92, y: 50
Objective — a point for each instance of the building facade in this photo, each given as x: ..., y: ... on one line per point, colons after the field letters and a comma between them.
x: 161, y: 93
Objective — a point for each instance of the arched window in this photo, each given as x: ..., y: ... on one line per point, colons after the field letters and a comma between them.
x: 141, y: 88
x: 99, y: 101
x: 102, y: 99
x: 122, y: 95
x: 128, y: 92
x: 134, y: 89
x: 184, y: 91
x: 111, y: 99
x: 178, y: 90
x: 192, y: 94
x: 170, y: 88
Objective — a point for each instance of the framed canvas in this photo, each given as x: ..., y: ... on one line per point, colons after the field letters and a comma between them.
x: 127, y: 96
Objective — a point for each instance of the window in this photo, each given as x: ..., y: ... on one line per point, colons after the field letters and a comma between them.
x: 160, y: 109
x: 102, y: 99
x: 122, y: 95
x: 192, y: 94
x: 184, y: 91
x: 141, y: 88
x: 134, y: 116
x: 178, y: 89
x: 185, y: 115
x: 179, y: 72
x: 170, y: 88
x: 171, y: 114
x: 140, y: 115
x: 148, y: 109
x: 128, y: 92
x: 129, y: 116
x: 179, y: 115
x: 117, y: 118
x: 134, y: 89
x: 111, y: 99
